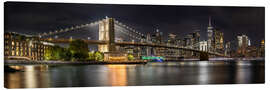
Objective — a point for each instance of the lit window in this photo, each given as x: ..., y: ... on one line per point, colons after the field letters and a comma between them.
x: 13, y: 43
x: 13, y: 53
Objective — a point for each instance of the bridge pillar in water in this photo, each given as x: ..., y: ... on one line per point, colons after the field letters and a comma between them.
x: 107, y: 33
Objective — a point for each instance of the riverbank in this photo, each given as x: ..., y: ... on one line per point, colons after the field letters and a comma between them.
x: 28, y: 62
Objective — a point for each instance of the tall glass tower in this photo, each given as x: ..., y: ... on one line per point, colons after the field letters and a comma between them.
x: 209, y: 35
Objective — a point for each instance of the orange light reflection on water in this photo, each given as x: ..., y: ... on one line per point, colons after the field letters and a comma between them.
x: 117, y: 75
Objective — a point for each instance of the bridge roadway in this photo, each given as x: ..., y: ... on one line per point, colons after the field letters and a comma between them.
x: 132, y: 44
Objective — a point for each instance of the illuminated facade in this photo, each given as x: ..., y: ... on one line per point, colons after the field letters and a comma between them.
x: 23, y: 47
x: 116, y: 56
x: 243, y: 43
x: 203, y: 45
x: 262, y: 49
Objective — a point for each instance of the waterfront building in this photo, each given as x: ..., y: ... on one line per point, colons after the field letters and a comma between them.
x: 18, y: 46
x: 115, y: 56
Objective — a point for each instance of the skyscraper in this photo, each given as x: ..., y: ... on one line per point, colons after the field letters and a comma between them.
x: 172, y: 38
x: 261, y: 50
x: 217, y: 41
x: 157, y: 37
x: 196, y: 39
x: 228, y: 49
x: 209, y: 35
x: 243, y: 43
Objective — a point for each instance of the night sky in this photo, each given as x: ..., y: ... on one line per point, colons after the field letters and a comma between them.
x: 33, y: 18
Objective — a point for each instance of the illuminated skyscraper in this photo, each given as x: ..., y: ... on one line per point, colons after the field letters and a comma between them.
x: 209, y: 35
x: 243, y: 43
x: 217, y: 41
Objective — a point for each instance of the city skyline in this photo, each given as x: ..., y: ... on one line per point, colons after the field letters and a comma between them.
x: 84, y: 45
x: 179, y: 20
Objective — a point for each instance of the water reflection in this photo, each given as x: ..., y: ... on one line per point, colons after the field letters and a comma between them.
x: 30, y: 77
x: 170, y: 73
x: 203, y: 75
x: 117, y: 75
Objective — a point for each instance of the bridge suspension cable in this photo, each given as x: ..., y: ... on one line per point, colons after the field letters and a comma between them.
x: 68, y: 29
x: 127, y: 30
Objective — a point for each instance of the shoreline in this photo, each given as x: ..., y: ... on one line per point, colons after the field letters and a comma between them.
x: 27, y: 62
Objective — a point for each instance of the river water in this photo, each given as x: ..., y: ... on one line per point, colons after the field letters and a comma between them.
x: 154, y: 73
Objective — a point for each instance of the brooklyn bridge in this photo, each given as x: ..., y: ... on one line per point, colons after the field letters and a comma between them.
x: 111, y: 35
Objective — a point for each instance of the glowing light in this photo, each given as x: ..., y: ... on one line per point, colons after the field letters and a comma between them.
x: 152, y: 58
x: 120, y: 58
x: 30, y: 77
x: 118, y: 75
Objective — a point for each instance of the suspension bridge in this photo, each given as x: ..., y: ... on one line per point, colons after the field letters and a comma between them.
x: 112, y: 35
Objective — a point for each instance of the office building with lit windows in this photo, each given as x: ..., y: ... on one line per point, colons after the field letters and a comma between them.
x: 218, y: 41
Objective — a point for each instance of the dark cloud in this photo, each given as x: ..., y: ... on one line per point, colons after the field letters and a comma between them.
x: 32, y: 18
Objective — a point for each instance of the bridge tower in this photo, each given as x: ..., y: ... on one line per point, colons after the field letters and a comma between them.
x: 107, y: 33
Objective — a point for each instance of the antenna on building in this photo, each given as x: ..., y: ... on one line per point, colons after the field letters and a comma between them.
x: 209, y: 21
